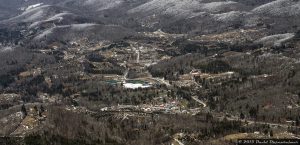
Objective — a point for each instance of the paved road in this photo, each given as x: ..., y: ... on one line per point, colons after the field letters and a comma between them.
x: 137, y: 51
x: 199, y: 101
x: 258, y: 122
x: 178, y: 141
x: 125, y: 74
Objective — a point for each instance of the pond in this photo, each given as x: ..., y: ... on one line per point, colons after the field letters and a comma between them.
x: 112, y: 82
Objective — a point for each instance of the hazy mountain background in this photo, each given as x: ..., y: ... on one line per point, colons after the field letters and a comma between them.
x: 216, y: 61
x: 174, y: 16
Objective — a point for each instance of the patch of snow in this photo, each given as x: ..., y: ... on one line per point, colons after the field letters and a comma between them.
x: 280, y: 8
x: 104, y: 4
x: 184, y: 8
x: 217, y: 6
x: 77, y: 27
x: 59, y: 17
x: 45, y: 33
x: 49, y: 31
x: 168, y: 7
x: 22, y: 8
x: 135, y: 86
x: 229, y: 16
x: 82, y: 26
x: 110, y: 5
x: 35, y: 16
x: 31, y: 15
x: 276, y: 40
x: 6, y: 49
x: 35, y: 24
x: 33, y: 6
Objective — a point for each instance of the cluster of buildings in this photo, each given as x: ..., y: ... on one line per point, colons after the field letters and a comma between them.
x: 199, y: 77
x: 171, y: 107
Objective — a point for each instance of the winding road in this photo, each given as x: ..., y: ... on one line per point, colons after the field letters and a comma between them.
x: 247, y: 120
x: 199, y: 101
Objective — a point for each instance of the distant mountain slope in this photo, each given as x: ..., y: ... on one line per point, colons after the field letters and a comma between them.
x: 173, y: 16
x: 282, y: 8
x: 81, y: 31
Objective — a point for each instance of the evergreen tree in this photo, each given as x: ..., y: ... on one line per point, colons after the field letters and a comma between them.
x: 23, y: 110
x: 297, y: 122
x: 242, y: 116
x: 271, y: 133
